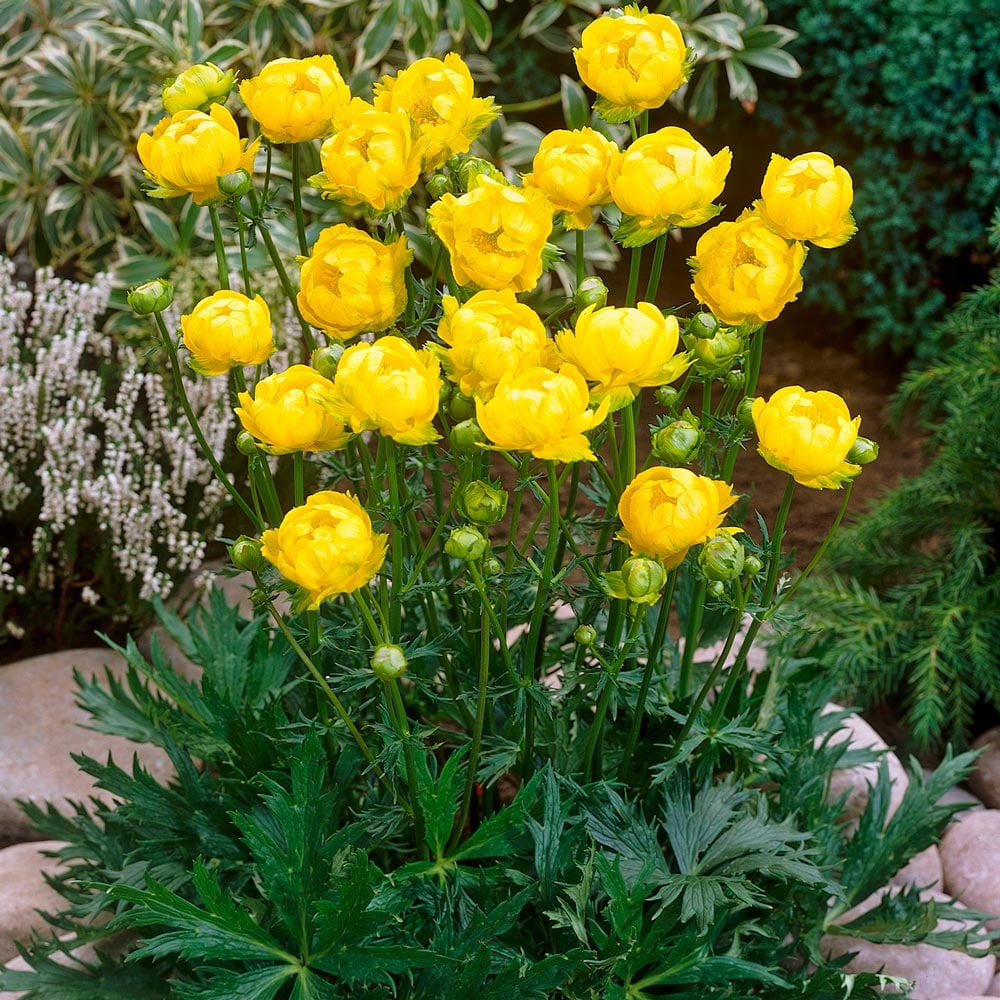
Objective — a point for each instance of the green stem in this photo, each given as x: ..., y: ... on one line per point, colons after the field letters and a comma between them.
x: 397, y: 712
x: 535, y: 105
x: 581, y: 261
x: 192, y: 420
x: 298, y: 475
x: 696, y: 612
x: 300, y: 222
x: 656, y: 268
x: 397, y: 536
x: 635, y: 266
x: 244, y: 263
x: 220, y: 245
x: 652, y: 663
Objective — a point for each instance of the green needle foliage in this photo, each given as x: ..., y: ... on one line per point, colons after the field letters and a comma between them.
x: 912, y: 612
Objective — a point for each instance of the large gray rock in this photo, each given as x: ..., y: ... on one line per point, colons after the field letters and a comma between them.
x: 985, y: 779
x: 25, y: 892
x: 970, y: 859
x: 935, y: 972
x: 42, y: 726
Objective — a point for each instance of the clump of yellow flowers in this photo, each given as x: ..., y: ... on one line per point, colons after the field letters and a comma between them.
x: 459, y: 461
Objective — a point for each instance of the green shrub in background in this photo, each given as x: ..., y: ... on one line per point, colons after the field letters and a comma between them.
x: 906, y: 94
x: 913, y: 612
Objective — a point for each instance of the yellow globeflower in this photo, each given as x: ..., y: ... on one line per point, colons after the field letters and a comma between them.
x: 372, y: 159
x: 352, y: 283
x: 295, y: 100
x: 571, y: 168
x: 808, y: 435
x: 623, y: 350
x: 188, y: 152
x: 665, y: 179
x: 198, y: 88
x: 286, y: 413
x: 326, y: 546
x: 542, y: 411
x: 488, y: 336
x: 388, y: 386
x: 744, y: 271
x: 808, y: 198
x: 228, y: 329
x: 633, y: 59
x: 494, y: 234
x: 665, y: 511
x: 438, y: 96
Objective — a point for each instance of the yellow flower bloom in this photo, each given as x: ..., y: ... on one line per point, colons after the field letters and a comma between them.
x: 808, y: 435
x: 373, y: 158
x: 571, y: 168
x: 744, y: 271
x: 438, y: 96
x: 665, y: 179
x: 623, y: 350
x: 286, y: 413
x: 808, y: 198
x: 494, y: 234
x: 198, y: 88
x: 388, y: 386
x: 352, y: 283
x: 227, y: 329
x: 635, y: 60
x: 542, y: 411
x: 188, y: 152
x: 295, y: 100
x: 488, y: 336
x: 326, y: 546
x: 665, y: 511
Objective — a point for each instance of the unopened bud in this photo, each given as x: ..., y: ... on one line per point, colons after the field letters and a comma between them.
x: 236, y: 183
x: 736, y: 380
x: 326, y: 359
x: 461, y: 407
x: 467, y: 436
x: 752, y: 565
x: 722, y: 557
x: 438, y: 186
x: 715, y: 355
x: 466, y: 543
x: 703, y: 326
x: 640, y: 580
x: 744, y: 413
x: 245, y: 554
x: 198, y: 88
x: 150, y: 297
x: 716, y: 588
x: 677, y: 442
x: 492, y: 566
x: 389, y: 662
x: 592, y: 292
x: 667, y: 396
x: 484, y: 503
x: 585, y: 635
x: 863, y: 451
x: 473, y: 168
x: 246, y: 445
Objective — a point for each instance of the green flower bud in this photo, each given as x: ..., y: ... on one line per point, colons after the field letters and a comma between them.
x: 863, y: 451
x: 439, y: 185
x: 473, y: 167
x: 722, y: 557
x: 677, y: 442
x: 326, y: 359
x: 236, y: 183
x: 585, y: 635
x: 752, y: 565
x: 484, y: 503
x: 717, y: 354
x: 198, y: 88
x: 716, y: 588
x: 736, y: 380
x: 667, y: 396
x: 150, y: 297
x: 643, y: 578
x: 466, y: 543
x: 389, y: 662
x: 246, y: 445
x: 592, y: 292
x: 245, y: 554
x: 467, y: 436
x: 461, y: 407
x: 703, y: 326
x: 744, y: 413
x: 492, y: 566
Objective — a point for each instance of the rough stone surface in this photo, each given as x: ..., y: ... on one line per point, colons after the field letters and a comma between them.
x: 935, y: 972
x: 42, y: 726
x: 855, y: 781
x: 970, y: 858
x: 924, y: 870
x: 985, y: 779
x: 24, y: 892
x: 994, y: 990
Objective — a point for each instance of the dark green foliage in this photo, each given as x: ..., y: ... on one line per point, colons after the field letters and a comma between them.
x: 906, y: 95
x: 912, y: 612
